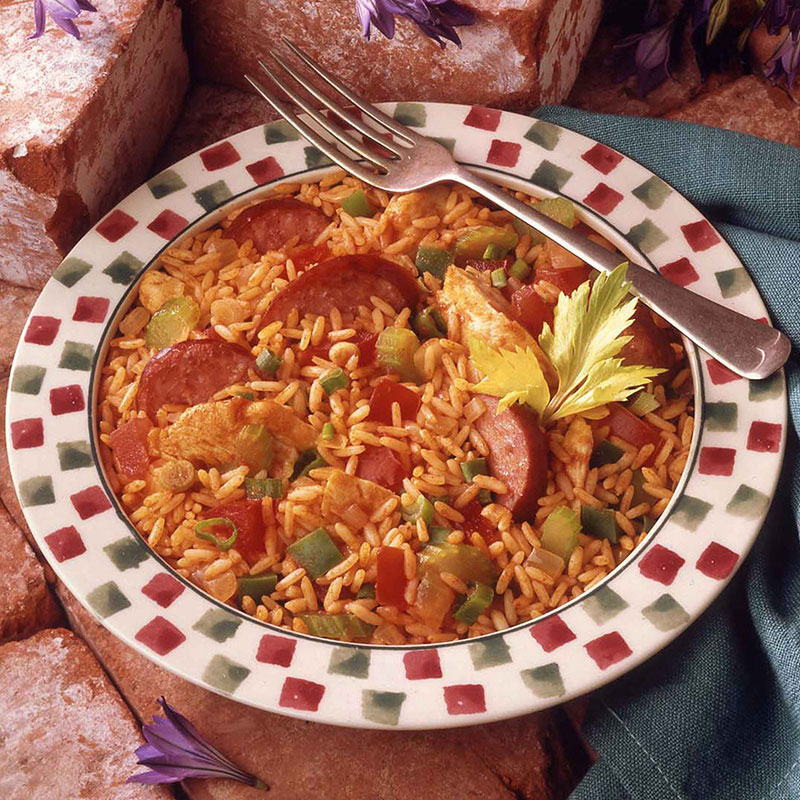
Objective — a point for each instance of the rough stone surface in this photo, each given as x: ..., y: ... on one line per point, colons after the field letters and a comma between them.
x: 8, y: 495
x: 15, y: 305
x: 522, y: 759
x: 210, y: 113
x: 749, y: 105
x: 65, y: 730
x: 520, y: 54
x: 111, y: 99
x: 26, y: 604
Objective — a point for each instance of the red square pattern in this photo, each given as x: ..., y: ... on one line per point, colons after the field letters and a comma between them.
x: 608, y: 649
x: 681, y: 272
x: 485, y: 118
x: 264, y: 171
x: 661, y: 564
x: 219, y: 156
x: 65, y: 543
x: 716, y: 460
x: 422, y: 664
x: 700, y: 235
x: 116, y: 225
x: 467, y: 698
x: 602, y: 158
x: 27, y: 433
x: 603, y: 199
x: 551, y: 633
x: 300, y: 694
x: 764, y: 437
x: 160, y: 635
x: 717, y: 561
x: 163, y: 589
x: 42, y: 330
x: 504, y: 154
x: 168, y: 224
x: 89, y: 502
x: 719, y: 373
x: 91, y: 309
x: 278, y: 650
x: 66, y: 399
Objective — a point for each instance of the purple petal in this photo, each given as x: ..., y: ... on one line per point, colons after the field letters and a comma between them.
x: 66, y: 24
x: 85, y: 5
x: 39, y: 19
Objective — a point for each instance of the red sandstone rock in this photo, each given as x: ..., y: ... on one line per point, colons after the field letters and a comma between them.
x: 15, y: 305
x: 748, y: 105
x: 8, y: 496
x: 80, y: 122
x: 26, y: 604
x: 65, y: 730
x: 523, y: 758
x: 522, y: 53
x: 211, y: 113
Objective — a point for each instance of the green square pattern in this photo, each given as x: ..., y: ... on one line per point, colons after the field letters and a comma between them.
x: 315, y: 157
x: 665, y: 613
x: 603, y: 604
x: 349, y: 661
x: 280, y: 131
x: 165, y: 183
x: 76, y: 355
x: 27, y: 379
x: 107, y: 599
x: 217, y: 624
x: 690, y: 512
x: 550, y: 176
x: 721, y: 416
x: 653, y: 192
x: 126, y: 553
x: 213, y: 195
x: 36, y: 491
x: 382, y: 707
x: 748, y: 502
x: 646, y: 236
x: 733, y: 281
x: 544, y: 681
x: 224, y: 674
x: 544, y: 134
x: 74, y: 455
x: 768, y: 389
x: 489, y: 653
x: 70, y: 271
x: 411, y: 114
x: 124, y: 268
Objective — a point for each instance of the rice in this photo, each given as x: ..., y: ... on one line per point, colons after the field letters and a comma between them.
x: 232, y: 299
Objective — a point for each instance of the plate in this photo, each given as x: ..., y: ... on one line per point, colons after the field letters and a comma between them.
x: 689, y: 557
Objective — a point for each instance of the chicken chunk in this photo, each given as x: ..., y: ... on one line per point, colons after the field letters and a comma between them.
x: 485, y: 314
x: 343, y: 490
x: 403, y: 209
x: 206, y: 433
x: 156, y: 288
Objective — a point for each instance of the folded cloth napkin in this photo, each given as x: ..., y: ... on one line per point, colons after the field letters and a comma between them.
x: 716, y: 715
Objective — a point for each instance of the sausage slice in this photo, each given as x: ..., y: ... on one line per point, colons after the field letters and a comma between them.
x: 272, y: 223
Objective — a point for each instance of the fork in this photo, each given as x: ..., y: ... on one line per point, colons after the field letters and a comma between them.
x: 408, y: 161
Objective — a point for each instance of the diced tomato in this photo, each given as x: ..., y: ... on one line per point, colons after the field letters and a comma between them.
x: 388, y: 392
x: 390, y: 585
x: 306, y: 256
x: 560, y: 257
x: 530, y: 310
x: 632, y: 429
x: 382, y: 466
x: 568, y: 280
x: 363, y: 340
x: 475, y: 522
x: 246, y: 516
x: 128, y: 444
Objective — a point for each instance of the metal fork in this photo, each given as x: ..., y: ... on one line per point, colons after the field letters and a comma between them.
x: 410, y: 161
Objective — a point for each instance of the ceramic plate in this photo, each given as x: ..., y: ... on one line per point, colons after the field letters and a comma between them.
x: 692, y: 553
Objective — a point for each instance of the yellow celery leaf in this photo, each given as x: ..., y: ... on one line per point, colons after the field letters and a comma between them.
x: 514, y: 377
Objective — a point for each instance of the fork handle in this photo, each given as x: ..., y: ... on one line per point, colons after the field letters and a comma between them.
x: 749, y: 348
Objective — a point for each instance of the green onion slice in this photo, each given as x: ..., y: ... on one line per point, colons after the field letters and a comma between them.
x: 336, y: 379
x: 203, y: 530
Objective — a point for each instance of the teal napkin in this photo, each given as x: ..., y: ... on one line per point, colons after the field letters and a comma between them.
x: 716, y: 715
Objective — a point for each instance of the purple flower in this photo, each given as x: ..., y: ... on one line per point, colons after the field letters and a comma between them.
x: 435, y: 18
x: 648, y: 56
x: 175, y: 750
x: 63, y: 12
x: 784, y: 63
